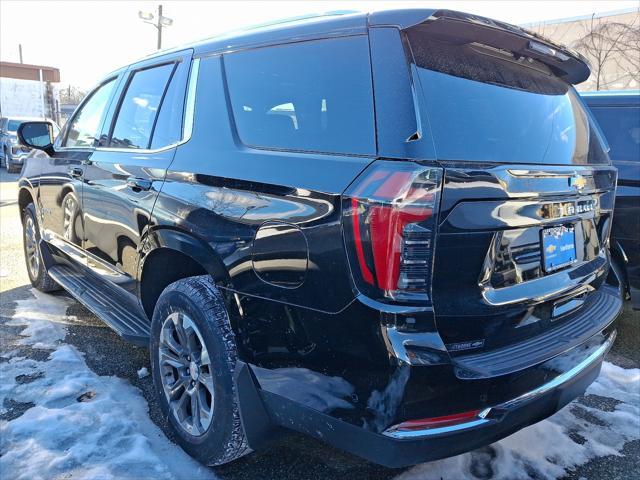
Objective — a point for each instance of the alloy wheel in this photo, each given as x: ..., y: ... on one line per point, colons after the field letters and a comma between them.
x: 185, y: 369
x: 31, y: 247
x: 70, y: 207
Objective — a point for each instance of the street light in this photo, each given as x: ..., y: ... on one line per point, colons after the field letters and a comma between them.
x: 157, y: 21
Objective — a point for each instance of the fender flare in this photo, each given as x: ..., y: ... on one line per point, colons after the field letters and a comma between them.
x: 183, y: 242
x: 25, y: 185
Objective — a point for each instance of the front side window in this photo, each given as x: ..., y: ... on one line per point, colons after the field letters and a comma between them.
x: 139, y: 108
x: 84, y: 128
x: 621, y: 126
x: 309, y: 96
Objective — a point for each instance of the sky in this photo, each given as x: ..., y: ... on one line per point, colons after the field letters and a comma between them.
x: 88, y: 39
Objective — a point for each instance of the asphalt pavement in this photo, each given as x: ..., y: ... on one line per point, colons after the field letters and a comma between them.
x: 292, y: 456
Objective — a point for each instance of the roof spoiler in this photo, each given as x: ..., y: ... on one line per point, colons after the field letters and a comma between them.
x: 458, y: 27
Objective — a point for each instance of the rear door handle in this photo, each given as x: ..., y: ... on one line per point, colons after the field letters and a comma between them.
x: 76, y: 172
x: 138, y: 184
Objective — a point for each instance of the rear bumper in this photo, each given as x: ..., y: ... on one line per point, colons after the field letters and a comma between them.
x: 556, y: 388
x: 262, y: 411
x: 596, y: 313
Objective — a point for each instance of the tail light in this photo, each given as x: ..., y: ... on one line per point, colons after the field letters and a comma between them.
x: 390, y: 218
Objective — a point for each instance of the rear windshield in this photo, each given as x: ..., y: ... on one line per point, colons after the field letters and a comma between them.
x: 485, y: 104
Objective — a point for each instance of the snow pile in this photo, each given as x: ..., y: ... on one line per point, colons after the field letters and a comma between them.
x: 42, y: 325
x: 571, y: 437
x: 82, y: 425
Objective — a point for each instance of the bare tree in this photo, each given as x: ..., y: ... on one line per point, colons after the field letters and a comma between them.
x: 71, y: 95
x: 609, y: 44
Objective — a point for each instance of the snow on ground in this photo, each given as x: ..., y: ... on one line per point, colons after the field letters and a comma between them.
x: 548, y: 449
x: 85, y: 426
x: 81, y: 425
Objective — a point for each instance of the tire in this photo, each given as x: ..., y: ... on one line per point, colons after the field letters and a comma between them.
x: 70, y: 212
x: 11, y: 168
x: 7, y: 161
x: 196, y: 304
x: 36, y: 268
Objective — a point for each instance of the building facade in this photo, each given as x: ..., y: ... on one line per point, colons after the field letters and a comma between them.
x: 28, y: 90
x: 610, y: 41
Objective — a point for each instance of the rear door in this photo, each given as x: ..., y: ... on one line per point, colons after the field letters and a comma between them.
x: 127, y: 169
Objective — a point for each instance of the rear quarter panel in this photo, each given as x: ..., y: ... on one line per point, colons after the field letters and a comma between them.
x: 221, y: 193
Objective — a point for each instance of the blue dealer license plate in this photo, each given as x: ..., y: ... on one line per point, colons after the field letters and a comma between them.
x: 558, y: 247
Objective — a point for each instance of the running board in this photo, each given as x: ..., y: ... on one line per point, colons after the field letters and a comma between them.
x: 107, y: 301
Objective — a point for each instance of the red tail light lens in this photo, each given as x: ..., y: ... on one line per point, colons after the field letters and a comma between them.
x: 390, y: 218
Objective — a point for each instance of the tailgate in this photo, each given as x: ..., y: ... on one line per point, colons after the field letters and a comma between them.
x: 527, y: 196
x: 493, y: 234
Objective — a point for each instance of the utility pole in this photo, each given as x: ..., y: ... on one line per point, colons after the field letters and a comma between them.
x: 159, y: 27
x: 157, y: 20
x: 20, y: 52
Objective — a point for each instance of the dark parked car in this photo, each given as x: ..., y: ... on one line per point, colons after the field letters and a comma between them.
x: 386, y: 231
x: 12, y: 154
x: 618, y: 114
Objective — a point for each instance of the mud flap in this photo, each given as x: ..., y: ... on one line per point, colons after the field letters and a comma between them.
x: 256, y: 422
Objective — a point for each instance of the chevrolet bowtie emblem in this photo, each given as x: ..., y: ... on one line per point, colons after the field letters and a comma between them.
x: 579, y: 182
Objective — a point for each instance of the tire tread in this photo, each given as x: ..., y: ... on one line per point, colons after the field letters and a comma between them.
x: 203, y: 291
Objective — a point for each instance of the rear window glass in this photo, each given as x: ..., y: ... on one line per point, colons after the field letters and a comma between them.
x: 310, y: 96
x: 621, y: 126
x: 485, y: 104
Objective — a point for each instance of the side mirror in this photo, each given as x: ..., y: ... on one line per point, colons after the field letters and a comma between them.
x: 38, y: 135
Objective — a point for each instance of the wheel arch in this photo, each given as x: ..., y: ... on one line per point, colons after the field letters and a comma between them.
x: 168, y: 255
x: 25, y: 197
x: 64, y: 191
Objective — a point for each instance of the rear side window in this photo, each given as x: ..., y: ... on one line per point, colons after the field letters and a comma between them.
x: 83, y: 130
x: 309, y: 96
x: 139, y: 108
x: 621, y: 126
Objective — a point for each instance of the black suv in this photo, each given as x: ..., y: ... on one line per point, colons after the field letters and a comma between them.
x: 386, y: 231
x: 618, y: 114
